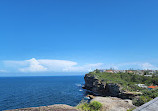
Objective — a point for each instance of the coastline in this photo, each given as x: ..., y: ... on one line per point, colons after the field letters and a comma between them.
x: 107, y: 102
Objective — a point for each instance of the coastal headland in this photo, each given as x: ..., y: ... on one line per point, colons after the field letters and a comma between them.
x: 111, y: 95
x: 112, y: 91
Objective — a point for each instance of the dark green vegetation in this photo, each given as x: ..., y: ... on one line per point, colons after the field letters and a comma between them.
x: 93, y: 106
x: 145, y: 97
x: 128, y: 82
x: 130, y: 109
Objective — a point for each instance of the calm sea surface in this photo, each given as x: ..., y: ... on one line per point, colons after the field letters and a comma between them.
x: 21, y: 92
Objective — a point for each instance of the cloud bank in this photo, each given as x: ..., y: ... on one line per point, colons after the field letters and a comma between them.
x: 49, y: 65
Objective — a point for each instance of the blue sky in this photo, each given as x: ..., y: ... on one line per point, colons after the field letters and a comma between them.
x: 78, y: 35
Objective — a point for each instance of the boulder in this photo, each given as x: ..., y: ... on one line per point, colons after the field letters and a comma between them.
x: 114, y: 103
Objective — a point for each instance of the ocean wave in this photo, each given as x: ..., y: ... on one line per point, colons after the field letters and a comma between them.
x: 80, y: 90
x: 78, y: 85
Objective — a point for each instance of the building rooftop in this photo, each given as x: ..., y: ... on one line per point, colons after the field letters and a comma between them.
x: 152, y: 87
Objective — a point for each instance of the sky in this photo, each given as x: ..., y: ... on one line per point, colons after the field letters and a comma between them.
x: 55, y: 37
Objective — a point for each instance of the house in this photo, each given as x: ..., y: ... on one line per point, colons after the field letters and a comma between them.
x: 152, y: 87
x: 101, y: 70
x: 109, y: 71
x: 151, y: 72
x: 139, y: 72
x: 122, y: 71
x: 129, y: 71
x: 148, y: 75
x: 142, y: 85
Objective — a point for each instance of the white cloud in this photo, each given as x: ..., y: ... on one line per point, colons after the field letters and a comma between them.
x: 149, y: 66
x: 49, y: 65
x: 84, y: 68
x: 135, y: 65
x: 3, y: 70
x: 57, y: 65
x: 34, y: 66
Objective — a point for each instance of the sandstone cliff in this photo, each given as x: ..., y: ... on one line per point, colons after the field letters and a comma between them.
x: 102, y: 88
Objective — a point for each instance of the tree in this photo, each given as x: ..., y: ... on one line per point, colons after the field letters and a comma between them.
x: 97, y: 71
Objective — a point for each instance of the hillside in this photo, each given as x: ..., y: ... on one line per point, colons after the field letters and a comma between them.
x: 123, y: 85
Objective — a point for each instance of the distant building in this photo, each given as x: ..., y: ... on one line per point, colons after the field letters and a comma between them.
x: 129, y: 71
x: 110, y: 71
x: 152, y: 87
x: 148, y: 75
x: 139, y: 72
x: 151, y: 72
x: 122, y: 71
x: 101, y: 70
x: 142, y: 85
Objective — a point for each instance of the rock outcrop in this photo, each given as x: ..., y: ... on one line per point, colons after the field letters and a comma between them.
x: 57, y: 107
x: 114, y: 104
x: 102, y: 88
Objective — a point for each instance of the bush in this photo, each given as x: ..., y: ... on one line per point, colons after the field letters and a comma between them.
x: 141, y: 100
x: 85, y: 107
x: 93, y: 106
x: 131, y: 109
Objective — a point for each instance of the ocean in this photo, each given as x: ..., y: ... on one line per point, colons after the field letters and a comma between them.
x: 22, y: 92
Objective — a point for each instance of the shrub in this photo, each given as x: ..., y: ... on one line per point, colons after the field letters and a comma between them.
x: 131, y: 109
x: 85, y: 107
x: 141, y: 100
x: 93, y: 106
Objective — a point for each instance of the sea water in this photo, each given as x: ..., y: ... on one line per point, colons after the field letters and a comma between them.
x: 22, y: 92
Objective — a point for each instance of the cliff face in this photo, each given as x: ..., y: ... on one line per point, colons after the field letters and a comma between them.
x: 101, y: 88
